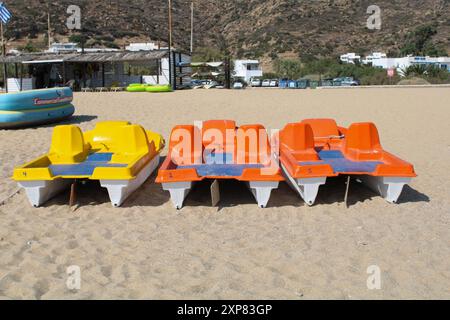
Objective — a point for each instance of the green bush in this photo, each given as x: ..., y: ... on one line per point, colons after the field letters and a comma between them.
x: 419, y: 42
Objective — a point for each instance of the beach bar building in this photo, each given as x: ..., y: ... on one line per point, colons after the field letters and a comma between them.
x: 247, y: 69
x: 94, y: 70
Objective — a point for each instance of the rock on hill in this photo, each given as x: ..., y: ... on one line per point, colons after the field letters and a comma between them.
x: 246, y: 28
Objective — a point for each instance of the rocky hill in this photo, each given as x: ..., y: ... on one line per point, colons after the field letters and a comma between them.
x: 246, y: 28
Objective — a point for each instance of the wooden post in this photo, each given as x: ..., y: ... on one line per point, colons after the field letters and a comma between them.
x: 21, y: 77
x: 64, y: 73
x: 159, y: 70
x: 227, y: 66
x: 5, y: 70
x: 73, y: 194
x: 16, y: 70
x: 180, y: 57
x: 103, y: 74
x: 174, y: 67
x: 83, y: 76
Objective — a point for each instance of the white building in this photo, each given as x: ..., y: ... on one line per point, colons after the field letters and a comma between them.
x: 57, y: 47
x: 247, y: 69
x: 350, y: 57
x: 148, y: 46
x: 374, y: 56
x: 73, y: 47
x: 402, y: 63
x: 90, y: 50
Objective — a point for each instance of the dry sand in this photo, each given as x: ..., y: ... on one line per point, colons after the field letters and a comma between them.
x: 146, y: 249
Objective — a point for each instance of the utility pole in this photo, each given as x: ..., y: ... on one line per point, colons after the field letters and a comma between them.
x: 3, y: 41
x: 192, y: 27
x: 49, y: 35
x: 171, y: 68
x: 5, y: 69
x: 170, y: 25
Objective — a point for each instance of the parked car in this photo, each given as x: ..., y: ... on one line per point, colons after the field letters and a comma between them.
x: 255, y: 82
x: 347, y: 81
x: 273, y: 83
x: 196, y: 83
x: 266, y: 83
x: 238, y: 85
x: 326, y: 83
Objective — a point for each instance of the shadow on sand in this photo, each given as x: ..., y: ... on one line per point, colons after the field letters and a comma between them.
x: 78, y: 119
x: 232, y: 193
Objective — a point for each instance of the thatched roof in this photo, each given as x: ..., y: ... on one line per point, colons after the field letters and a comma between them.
x: 99, y: 57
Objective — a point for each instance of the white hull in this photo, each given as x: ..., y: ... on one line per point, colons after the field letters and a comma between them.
x: 120, y: 190
x: 389, y: 188
x: 261, y: 190
x: 38, y: 192
x: 178, y: 192
x: 307, y: 188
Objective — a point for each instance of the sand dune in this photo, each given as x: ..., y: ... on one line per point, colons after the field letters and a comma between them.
x: 148, y: 250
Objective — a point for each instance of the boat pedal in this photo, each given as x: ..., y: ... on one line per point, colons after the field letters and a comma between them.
x: 346, y: 191
x: 215, y: 193
x: 73, y: 194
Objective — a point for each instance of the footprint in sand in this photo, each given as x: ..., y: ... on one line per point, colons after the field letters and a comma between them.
x: 40, y: 288
x: 72, y: 244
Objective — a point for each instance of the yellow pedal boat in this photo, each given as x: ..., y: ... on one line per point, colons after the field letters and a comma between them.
x: 120, y: 155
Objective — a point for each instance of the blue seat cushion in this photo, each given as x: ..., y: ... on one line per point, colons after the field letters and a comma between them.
x: 221, y: 170
x: 220, y: 165
x: 86, y: 168
x: 340, y: 164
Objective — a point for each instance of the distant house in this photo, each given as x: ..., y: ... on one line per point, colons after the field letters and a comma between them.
x: 58, y: 47
x: 146, y: 46
x: 350, y: 58
x: 374, y: 56
x: 247, y: 69
x: 70, y: 47
x: 402, y: 63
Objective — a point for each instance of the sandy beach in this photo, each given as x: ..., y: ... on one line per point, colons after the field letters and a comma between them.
x: 148, y: 250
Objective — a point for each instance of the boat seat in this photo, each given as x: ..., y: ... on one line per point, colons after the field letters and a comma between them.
x: 216, y: 134
x: 252, y: 144
x: 105, y: 134
x: 362, y: 142
x: 182, y: 146
x: 132, y: 139
x: 298, y: 139
x: 68, y: 145
x: 323, y: 128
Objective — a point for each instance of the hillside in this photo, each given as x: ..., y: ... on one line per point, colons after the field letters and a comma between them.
x: 246, y: 28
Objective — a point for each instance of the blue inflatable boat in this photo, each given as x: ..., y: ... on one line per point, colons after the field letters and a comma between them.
x: 34, y: 107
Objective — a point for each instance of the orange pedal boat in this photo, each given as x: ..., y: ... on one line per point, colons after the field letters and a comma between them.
x: 217, y: 149
x: 315, y: 149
